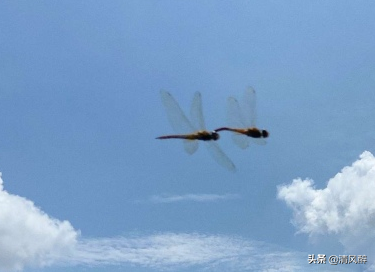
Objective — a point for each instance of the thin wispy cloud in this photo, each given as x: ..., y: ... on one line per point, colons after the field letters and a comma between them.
x: 344, y: 209
x: 192, y: 198
x: 174, y: 251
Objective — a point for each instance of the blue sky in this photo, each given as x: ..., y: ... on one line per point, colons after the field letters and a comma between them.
x: 80, y: 108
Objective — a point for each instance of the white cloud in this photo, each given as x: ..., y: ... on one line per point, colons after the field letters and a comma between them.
x: 345, y: 208
x: 29, y: 237
x: 176, y: 251
x: 191, y: 197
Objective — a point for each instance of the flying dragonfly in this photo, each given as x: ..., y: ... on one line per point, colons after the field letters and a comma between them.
x: 242, y: 121
x: 192, y: 132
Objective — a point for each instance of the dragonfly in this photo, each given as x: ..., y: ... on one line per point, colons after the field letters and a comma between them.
x: 242, y: 121
x: 193, y: 132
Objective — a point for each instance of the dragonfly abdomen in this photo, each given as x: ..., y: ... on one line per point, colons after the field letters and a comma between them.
x: 188, y: 137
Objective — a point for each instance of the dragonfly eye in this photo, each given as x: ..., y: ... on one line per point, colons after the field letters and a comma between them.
x: 265, y: 133
x: 215, y: 135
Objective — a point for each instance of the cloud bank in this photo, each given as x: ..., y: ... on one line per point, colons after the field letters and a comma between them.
x: 31, y: 238
x: 345, y: 208
x: 28, y: 236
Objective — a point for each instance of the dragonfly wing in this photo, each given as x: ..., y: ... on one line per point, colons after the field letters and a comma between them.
x: 235, y: 120
x: 219, y: 156
x: 241, y: 140
x: 248, y: 107
x: 196, y: 112
x: 259, y: 141
x: 234, y: 117
x: 176, y: 116
x: 190, y: 146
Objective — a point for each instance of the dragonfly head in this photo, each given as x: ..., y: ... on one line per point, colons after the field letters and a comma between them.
x: 264, y: 133
x: 215, y: 135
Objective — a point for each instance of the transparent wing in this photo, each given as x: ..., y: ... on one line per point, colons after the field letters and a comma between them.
x: 248, y: 108
x: 241, y: 140
x: 219, y: 156
x: 176, y: 116
x: 213, y: 148
x: 190, y: 146
x: 196, y: 112
x: 234, y: 117
x: 235, y: 120
x: 258, y: 141
x: 178, y: 120
x: 249, y: 113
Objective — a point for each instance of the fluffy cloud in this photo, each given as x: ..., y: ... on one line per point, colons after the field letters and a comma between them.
x: 345, y: 208
x: 28, y: 236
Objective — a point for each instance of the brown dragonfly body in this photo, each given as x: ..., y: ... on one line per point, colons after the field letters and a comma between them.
x: 201, y: 135
x: 251, y: 132
x: 191, y: 132
x: 242, y: 121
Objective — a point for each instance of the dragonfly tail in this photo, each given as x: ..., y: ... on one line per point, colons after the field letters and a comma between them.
x: 171, y: 137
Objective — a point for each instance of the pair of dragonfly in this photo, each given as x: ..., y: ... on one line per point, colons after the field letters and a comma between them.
x: 240, y: 119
